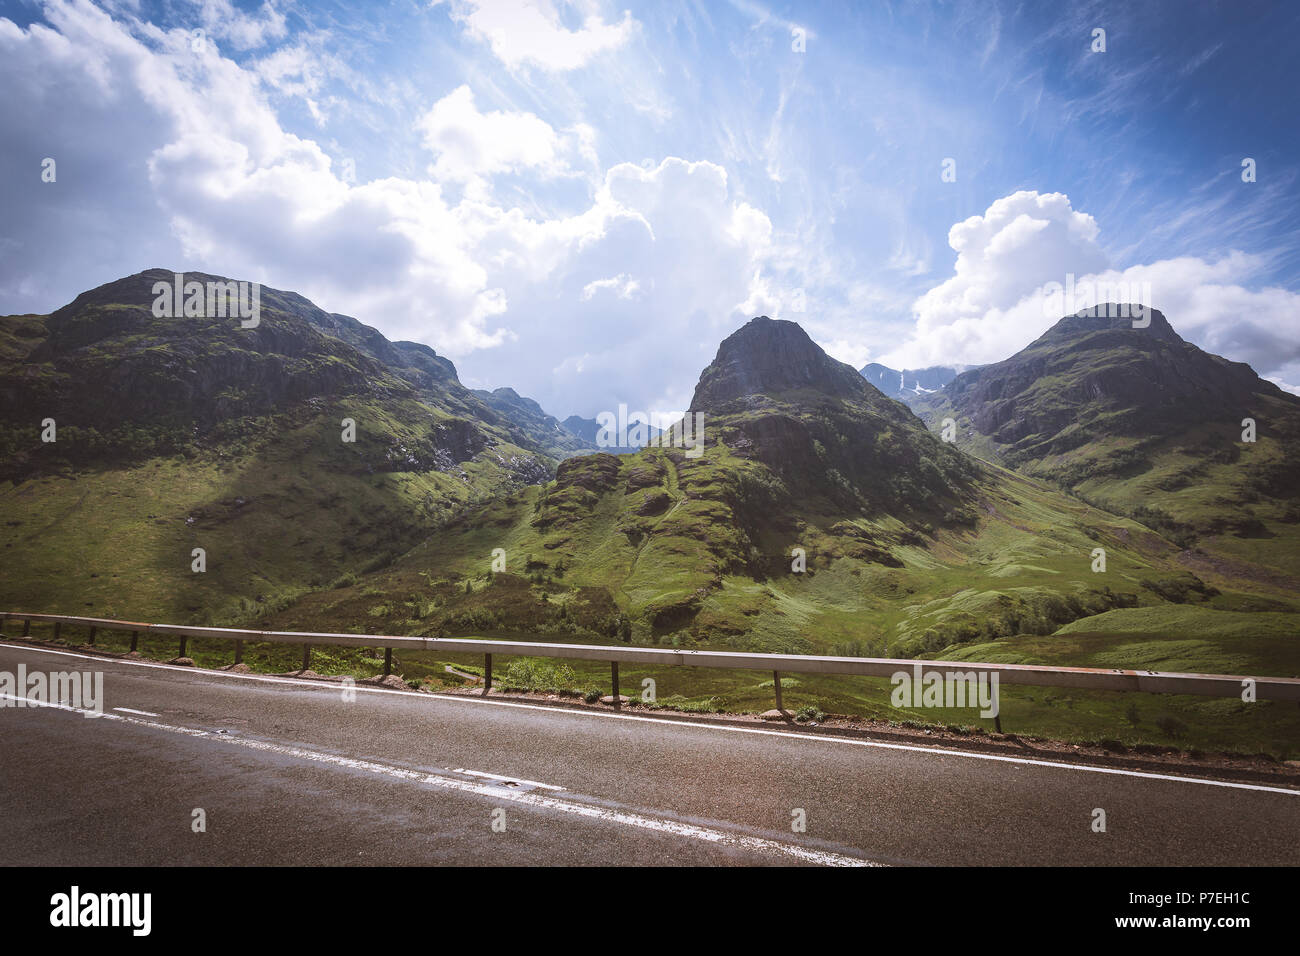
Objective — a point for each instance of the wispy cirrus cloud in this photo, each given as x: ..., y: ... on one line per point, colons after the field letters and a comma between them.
x: 532, y: 33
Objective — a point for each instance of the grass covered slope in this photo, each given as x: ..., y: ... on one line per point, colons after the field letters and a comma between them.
x: 285, y: 510
x: 1186, y: 638
x: 821, y: 517
x: 193, y: 432
x: 1142, y: 423
x: 680, y: 551
x: 650, y: 549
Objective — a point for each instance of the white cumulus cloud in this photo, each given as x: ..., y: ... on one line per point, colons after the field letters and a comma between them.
x: 533, y: 33
x: 999, y: 298
x: 177, y: 159
x: 470, y: 144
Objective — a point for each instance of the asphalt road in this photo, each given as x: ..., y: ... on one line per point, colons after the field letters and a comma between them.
x: 289, y: 772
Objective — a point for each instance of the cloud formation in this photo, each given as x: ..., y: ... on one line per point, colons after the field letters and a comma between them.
x: 532, y: 33
x: 581, y: 205
x: 471, y: 145
x: 1000, y: 296
x: 207, y: 179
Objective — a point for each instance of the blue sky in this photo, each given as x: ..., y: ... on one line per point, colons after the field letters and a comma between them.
x: 580, y: 200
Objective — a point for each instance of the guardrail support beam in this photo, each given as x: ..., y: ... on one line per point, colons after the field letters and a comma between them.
x: 613, y: 673
x: 487, y: 674
x: 239, y: 652
x: 776, y: 683
x: 306, y: 655
x: 1077, y: 678
x: 91, y: 640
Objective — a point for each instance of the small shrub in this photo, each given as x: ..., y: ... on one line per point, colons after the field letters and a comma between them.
x: 1170, y: 726
x: 526, y: 673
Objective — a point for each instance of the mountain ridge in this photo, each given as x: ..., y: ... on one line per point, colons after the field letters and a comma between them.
x: 1140, y: 421
x: 294, y: 452
x: 169, y: 372
x: 894, y: 526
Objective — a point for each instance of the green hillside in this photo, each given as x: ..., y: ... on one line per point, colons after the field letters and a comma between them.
x: 193, y: 432
x: 817, y: 515
x: 1142, y: 423
x: 908, y: 546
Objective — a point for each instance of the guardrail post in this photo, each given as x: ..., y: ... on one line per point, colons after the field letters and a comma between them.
x: 997, y: 722
x: 1081, y: 678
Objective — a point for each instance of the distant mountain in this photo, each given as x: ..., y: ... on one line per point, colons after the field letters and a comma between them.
x: 1140, y: 421
x: 908, y: 385
x: 584, y: 428
x: 543, y: 429
x: 588, y: 431
x: 172, y: 433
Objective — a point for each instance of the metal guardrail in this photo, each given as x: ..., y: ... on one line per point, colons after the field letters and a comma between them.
x: 1079, y: 678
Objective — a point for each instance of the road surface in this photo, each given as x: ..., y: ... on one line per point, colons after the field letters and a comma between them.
x: 290, y: 772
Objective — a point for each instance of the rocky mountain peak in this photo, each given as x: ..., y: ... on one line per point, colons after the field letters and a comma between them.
x: 769, y: 356
x: 1112, y: 316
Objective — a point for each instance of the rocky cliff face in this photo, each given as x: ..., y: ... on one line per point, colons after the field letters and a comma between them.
x: 1046, y: 398
x: 773, y: 395
x: 136, y: 383
x: 532, y: 421
x: 769, y: 357
x: 1142, y: 422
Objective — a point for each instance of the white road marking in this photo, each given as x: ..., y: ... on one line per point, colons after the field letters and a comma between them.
x: 142, y: 713
x: 497, y: 776
x: 496, y: 792
x: 333, y: 689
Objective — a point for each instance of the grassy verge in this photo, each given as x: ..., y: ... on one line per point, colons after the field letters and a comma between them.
x: 1147, y: 638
